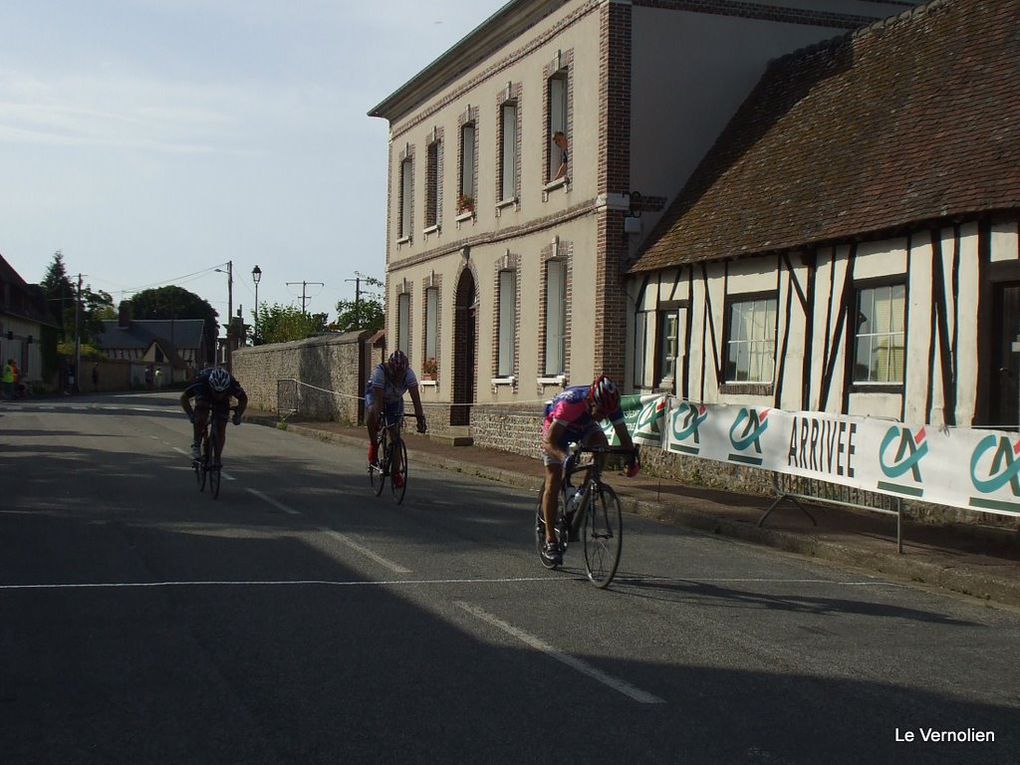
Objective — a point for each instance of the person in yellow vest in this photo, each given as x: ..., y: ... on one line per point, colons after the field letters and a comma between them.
x: 8, y: 380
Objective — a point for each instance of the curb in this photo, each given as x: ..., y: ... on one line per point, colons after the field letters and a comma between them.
x: 983, y: 586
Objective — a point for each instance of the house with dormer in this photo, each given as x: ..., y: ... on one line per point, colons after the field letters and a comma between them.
x: 529, y: 163
x: 173, y: 348
x: 850, y: 242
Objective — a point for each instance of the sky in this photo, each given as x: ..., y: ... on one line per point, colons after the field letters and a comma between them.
x: 153, y: 141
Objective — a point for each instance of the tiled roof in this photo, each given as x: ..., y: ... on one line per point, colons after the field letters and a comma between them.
x: 913, y: 119
x: 23, y: 300
x: 186, y: 334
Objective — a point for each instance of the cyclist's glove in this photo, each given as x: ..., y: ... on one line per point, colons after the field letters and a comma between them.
x: 422, y: 427
x: 237, y: 418
x: 633, y: 465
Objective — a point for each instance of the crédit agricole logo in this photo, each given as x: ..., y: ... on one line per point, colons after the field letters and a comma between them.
x: 989, y: 475
x: 687, y: 419
x: 753, y: 425
x: 906, y: 458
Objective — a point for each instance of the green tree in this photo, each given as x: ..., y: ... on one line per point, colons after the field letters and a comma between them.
x: 281, y: 324
x: 59, y: 293
x: 176, y: 303
x: 97, y: 306
x: 364, y: 312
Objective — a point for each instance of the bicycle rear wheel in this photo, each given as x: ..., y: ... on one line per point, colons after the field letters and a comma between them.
x: 603, y: 536
x: 202, y: 470
x: 398, y: 451
x: 214, y: 482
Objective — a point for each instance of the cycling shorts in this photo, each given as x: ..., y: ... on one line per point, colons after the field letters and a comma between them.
x: 391, y: 410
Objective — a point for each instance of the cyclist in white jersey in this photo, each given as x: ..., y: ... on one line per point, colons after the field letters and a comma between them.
x: 385, y: 394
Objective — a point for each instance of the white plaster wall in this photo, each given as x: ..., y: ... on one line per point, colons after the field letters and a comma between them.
x: 919, y: 332
x: 967, y: 336
x: 1004, y: 241
x: 882, y: 258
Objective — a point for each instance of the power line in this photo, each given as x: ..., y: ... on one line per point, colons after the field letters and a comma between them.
x: 304, y: 300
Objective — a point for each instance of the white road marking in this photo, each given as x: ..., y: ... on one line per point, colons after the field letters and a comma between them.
x: 274, y: 503
x: 396, y: 568
x: 289, y: 583
x: 574, y: 663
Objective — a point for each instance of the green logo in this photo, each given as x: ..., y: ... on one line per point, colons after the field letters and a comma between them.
x: 754, y: 426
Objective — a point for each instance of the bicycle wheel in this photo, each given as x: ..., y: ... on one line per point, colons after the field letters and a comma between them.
x: 377, y: 473
x: 603, y: 536
x: 202, y: 471
x: 214, y: 482
x: 398, y: 451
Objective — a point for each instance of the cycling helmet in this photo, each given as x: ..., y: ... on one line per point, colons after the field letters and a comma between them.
x: 604, y: 394
x: 219, y: 379
x: 397, y: 362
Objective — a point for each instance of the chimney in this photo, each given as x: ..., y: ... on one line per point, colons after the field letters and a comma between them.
x: 124, y: 315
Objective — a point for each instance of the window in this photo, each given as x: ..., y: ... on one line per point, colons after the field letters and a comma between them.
x: 880, y: 338
x: 432, y: 186
x: 751, y: 345
x: 555, y: 317
x: 557, y: 125
x: 404, y: 323
x: 666, y: 359
x: 507, y: 321
x: 431, y: 323
x: 466, y: 200
x: 508, y: 153
x: 406, y: 198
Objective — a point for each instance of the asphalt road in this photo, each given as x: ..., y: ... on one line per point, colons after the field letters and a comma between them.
x: 300, y: 619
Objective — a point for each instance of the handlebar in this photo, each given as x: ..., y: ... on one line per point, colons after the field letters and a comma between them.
x: 628, y: 450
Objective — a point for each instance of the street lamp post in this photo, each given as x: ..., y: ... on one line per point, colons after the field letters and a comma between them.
x: 256, y: 276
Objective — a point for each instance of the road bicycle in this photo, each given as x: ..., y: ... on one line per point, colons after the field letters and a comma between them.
x: 206, y: 468
x: 390, y: 446
x: 590, y: 514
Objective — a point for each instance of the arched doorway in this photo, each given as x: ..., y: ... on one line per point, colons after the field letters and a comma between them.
x: 465, y: 337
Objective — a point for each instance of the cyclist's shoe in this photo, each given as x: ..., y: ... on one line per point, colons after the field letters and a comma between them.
x: 196, y: 452
x: 373, y: 453
x: 552, y: 554
x: 398, y: 480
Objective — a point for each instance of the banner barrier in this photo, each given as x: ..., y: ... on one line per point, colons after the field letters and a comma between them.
x: 645, y: 417
x: 960, y: 467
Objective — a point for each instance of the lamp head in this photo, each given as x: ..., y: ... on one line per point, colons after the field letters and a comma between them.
x: 256, y: 274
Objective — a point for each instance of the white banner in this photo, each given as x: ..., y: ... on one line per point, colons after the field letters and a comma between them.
x: 972, y: 469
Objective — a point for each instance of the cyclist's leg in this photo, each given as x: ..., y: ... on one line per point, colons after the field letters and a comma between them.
x: 372, y: 424
x: 395, y: 415
x: 201, y: 419
x: 220, y: 417
x: 551, y: 497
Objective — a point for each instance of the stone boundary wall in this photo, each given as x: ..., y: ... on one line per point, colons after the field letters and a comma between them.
x: 509, y: 428
x: 333, y: 363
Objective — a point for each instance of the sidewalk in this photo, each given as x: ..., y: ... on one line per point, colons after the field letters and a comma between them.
x: 978, y: 561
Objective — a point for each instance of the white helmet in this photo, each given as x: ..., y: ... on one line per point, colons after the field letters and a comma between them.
x: 219, y: 379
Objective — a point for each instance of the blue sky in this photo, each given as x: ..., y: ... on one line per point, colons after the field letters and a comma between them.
x: 156, y: 139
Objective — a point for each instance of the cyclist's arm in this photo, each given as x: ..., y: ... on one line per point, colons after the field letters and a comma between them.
x: 416, y: 400
x: 242, y: 402
x: 186, y: 404
x: 623, y: 434
x: 377, y: 401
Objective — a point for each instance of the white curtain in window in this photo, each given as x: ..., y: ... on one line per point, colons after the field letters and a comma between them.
x: 507, y: 320
x: 431, y: 321
x: 509, y: 149
x: 555, y: 317
x: 405, y: 198
x: 404, y: 323
x: 467, y: 161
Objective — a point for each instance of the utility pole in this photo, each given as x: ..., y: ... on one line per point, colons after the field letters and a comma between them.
x: 304, y: 300
x: 230, y: 309
x: 77, y: 337
x: 357, y: 299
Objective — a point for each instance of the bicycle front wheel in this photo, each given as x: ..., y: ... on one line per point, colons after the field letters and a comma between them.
x: 398, y: 478
x: 603, y: 536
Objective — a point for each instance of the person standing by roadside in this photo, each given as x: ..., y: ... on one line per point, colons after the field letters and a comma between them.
x: 8, y: 380
x: 95, y: 377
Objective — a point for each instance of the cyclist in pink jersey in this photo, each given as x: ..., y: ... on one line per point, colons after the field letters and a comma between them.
x: 573, y: 417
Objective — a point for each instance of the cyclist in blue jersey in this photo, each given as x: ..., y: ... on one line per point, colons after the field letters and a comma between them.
x: 212, y: 390
x: 573, y: 416
x: 385, y: 394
